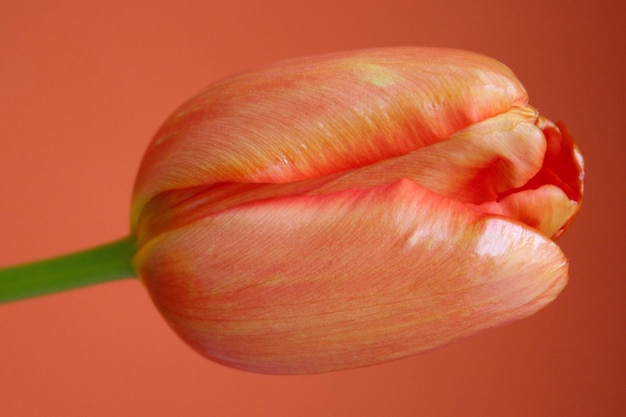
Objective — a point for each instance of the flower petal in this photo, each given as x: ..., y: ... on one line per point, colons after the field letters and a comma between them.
x: 316, y: 116
x: 546, y: 209
x: 473, y: 165
x: 325, y: 282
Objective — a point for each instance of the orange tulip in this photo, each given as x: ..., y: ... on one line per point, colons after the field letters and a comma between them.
x: 339, y: 211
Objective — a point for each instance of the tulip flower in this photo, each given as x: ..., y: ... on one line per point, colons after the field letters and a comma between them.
x: 339, y: 211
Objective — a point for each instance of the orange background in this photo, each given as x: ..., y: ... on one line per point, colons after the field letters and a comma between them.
x: 84, y: 85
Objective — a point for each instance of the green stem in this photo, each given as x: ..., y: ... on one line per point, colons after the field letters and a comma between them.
x: 100, y: 264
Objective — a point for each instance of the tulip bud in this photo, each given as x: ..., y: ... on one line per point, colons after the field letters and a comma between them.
x: 338, y: 211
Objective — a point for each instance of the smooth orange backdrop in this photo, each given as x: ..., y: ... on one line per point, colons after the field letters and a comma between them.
x: 84, y: 85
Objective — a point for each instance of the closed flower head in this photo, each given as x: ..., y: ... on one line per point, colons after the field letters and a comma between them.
x: 339, y: 211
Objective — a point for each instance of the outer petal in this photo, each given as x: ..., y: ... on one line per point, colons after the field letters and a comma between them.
x: 312, y: 117
x: 317, y: 283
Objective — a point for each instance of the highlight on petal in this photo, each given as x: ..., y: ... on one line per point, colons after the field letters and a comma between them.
x: 315, y: 283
